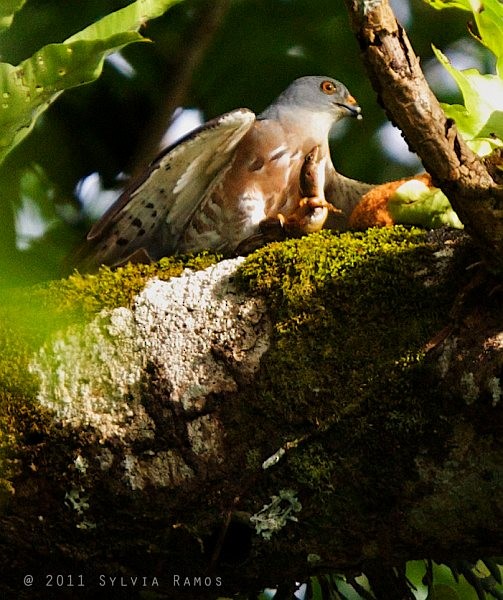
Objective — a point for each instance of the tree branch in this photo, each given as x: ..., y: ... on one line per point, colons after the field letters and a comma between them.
x: 402, y: 89
x: 192, y: 425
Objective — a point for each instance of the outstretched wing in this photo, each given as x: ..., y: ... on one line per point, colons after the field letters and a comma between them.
x: 149, y: 217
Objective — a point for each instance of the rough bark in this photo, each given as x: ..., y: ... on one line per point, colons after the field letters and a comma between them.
x: 403, y: 91
x: 168, y: 425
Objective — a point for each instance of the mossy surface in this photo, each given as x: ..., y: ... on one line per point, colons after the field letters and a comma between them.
x: 352, y: 315
x: 350, y: 312
x: 344, y: 387
x: 83, y: 294
x: 28, y: 316
x: 21, y: 421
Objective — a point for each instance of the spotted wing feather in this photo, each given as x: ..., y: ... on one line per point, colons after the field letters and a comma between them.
x: 151, y: 215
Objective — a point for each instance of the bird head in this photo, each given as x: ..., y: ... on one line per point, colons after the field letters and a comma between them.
x: 317, y: 94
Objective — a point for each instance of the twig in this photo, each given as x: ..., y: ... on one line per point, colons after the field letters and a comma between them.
x: 174, y: 94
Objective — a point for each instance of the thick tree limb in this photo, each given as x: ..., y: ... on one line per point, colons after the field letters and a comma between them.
x: 169, y: 424
x: 397, y: 78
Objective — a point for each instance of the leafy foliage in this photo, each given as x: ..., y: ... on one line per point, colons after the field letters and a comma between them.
x: 7, y: 11
x: 28, y: 89
x: 480, y: 120
x: 415, y: 203
x: 488, y: 16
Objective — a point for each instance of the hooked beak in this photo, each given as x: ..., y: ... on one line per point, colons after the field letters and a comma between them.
x: 351, y: 106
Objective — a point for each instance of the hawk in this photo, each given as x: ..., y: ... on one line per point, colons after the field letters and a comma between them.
x: 232, y: 184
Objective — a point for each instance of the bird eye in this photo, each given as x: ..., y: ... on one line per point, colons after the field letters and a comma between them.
x: 327, y: 87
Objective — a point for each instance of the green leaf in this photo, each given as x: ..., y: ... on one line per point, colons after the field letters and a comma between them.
x: 441, y: 4
x: 7, y: 10
x: 414, y: 203
x: 131, y: 17
x: 488, y: 15
x: 481, y: 570
x: 441, y: 591
x: 480, y: 120
x: 28, y: 89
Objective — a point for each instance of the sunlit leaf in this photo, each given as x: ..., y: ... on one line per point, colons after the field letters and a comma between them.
x: 440, y: 591
x: 488, y: 15
x: 131, y: 17
x: 28, y: 89
x: 441, y: 4
x: 480, y: 120
x: 414, y: 203
x: 8, y: 8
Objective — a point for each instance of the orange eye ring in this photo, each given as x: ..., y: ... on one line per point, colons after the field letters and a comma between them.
x: 328, y: 87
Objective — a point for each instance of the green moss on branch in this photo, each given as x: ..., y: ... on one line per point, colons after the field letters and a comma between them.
x: 352, y: 316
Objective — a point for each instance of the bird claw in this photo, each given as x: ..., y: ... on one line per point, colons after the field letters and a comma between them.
x: 309, y: 217
x: 310, y: 213
x: 317, y: 202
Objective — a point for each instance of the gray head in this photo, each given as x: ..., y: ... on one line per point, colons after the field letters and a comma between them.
x: 316, y: 94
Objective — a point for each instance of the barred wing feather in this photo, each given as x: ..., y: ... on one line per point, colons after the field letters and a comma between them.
x: 150, y: 216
